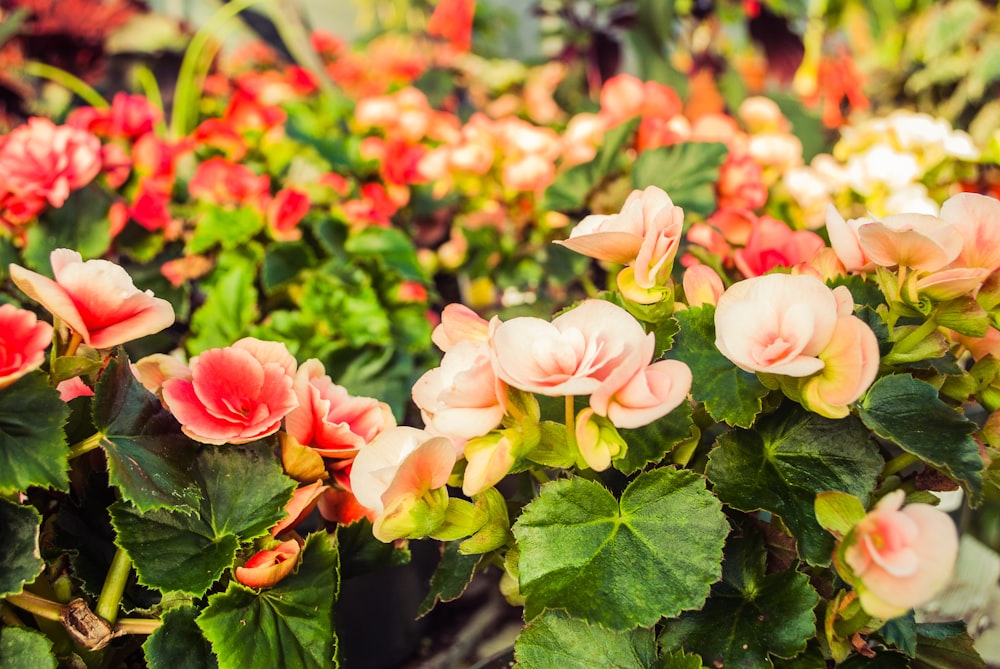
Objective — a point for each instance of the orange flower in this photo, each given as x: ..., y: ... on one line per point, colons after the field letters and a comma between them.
x: 266, y: 568
x: 452, y: 20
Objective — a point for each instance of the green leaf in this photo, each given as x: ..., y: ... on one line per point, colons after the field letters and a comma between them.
x: 575, y: 538
x: 901, y: 632
x: 785, y: 461
x: 244, y: 494
x: 289, y: 625
x: 80, y: 224
x: 229, y: 228
x: 362, y: 553
x: 653, y: 442
x: 571, y: 189
x: 230, y: 305
x: 687, y: 171
x: 945, y: 646
x: 32, y: 442
x: 838, y: 512
x: 909, y: 413
x: 20, y: 559
x: 749, y: 616
x: 178, y: 642
x: 729, y: 393
x: 553, y: 640
x: 149, y: 459
x: 453, y: 575
x: 24, y: 648
x: 67, y: 367
x: 679, y: 660
x: 283, y: 261
x: 391, y: 247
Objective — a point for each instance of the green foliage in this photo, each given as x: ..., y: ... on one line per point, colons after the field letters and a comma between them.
x: 20, y: 558
x: 80, y: 224
x: 289, y: 625
x: 687, y: 171
x: 179, y: 642
x: 24, y: 648
x: 785, y: 461
x: 453, y: 575
x: 575, y: 538
x: 32, y: 442
x: 243, y: 494
x: 230, y: 303
x: 653, y: 442
x: 228, y: 228
x: 553, y: 640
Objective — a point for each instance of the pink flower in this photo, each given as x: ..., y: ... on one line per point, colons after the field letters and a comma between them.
x: 288, y: 207
x: 645, y: 234
x: 228, y: 184
x: 96, y: 299
x: 40, y: 160
x: 846, y: 242
x: 328, y: 419
x: 777, y: 323
x: 154, y: 369
x: 23, y: 341
x: 460, y: 398
x: 850, y: 363
x: 459, y: 323
x: 741, y: 183
x: 976, y: 218
x: 235, y: 394
x: 303, y: 501
x: 773, y: 244
x: 650, y: 393
x: 901, y: 557
x: 702, y: 285
x: 70, y: 389
x: 266, y: 568
x: 918, y: 241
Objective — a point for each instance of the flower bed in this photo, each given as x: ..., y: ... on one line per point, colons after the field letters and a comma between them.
x: 640, y: 360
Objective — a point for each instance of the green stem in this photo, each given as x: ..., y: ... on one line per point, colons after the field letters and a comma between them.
x: 89, y: 444
x: 899, y: 463
x: 67, y: 81
x: 194, y: 67
x: 288, y: 21
x: 9, y: 618
x: 74, y: 343
x: 909, y: 342
x: 39, y: 606
x: 138, y: 625
x: 114, y: 587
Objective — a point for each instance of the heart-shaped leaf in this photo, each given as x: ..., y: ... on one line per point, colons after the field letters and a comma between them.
x: 621, y: 564
x: 553, y: 640
x: 32, y: 442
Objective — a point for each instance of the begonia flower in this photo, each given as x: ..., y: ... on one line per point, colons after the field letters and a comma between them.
x: 236, y: 394
x: 330, y: 420
x: 645, y: 234
x: 266, y: 568
x: 850, y: 364
x: 459, y: 323
x: 702, y: 285
x: 303, y: 501
x: 917, y: 241
x: 23, y: 341
x: 96, y: 299
x: 225, y: 183
x: 452, y: 20
x: 976, y: 218
x: 286, y: 209
x: 901, y: 557
x: 70, y: 389
x: 774, y: 244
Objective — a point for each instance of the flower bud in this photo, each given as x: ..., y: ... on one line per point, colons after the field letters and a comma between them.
x: 598, y: 440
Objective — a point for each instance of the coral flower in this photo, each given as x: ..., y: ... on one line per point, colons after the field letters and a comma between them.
x: 23, y: 340
x: 452, y: 20
x: 96, y: 299
x: 235, y: 394
x: 901, y: 557
x: 266, y: 568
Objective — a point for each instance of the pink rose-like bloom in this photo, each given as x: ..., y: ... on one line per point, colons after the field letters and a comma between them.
x: 846, y: 242
x: 459, y: 399
x: 850, y: 363
x: 225, y: 183
x: 777, y: 323
x: 702, y: 285
x: 328, y: 419
x: 236, y: 394
x: 901, y: 557
x: 459, y: 323
x: 40, y: 160
x: 96, y: 299
x: 645, y: 234
x: 266, y: 568
x: 23, y: 341
x: 976, y: 218
x: 773, y: 244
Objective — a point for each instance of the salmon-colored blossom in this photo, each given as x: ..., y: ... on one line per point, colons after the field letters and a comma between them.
x: 235, y: 394
x: 96, y: 299
x: 774, y: 244
x: 901, y: 557
x: 266, y: 568
x: 452, y: 20
x: 917, y: 241
x: 702, y: 285
x: 23, y: 341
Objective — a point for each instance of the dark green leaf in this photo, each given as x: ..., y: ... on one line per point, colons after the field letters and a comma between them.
x: 945, y: 646
x: 361, y: 552
x: 244, y: 493
x: 80, y: 224
x: 571, y: 190
x: 901, y: 632
x: 390, y: 246
x: 230, y: 305
x: 653, y: 442
x: 282, y: 262
x: 553, y: 640
x: 749, y: 616
x: 575, y: 537
x: 679, y: 660
x: 909, y: 413
x: 23, y: 648
x: 178, y: 642
x: 289, y: 625
x: 729, y: 393
x: 32, y: 443
x: 452, y: 577
x: 687, y: 171
x: 785, y: 461
x: 149, y: 459
x: 883, y: 660
x: 229, y: 228
x: 20, y: 559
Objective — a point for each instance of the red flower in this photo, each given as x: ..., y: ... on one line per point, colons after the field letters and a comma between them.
x: 266, y: 568
x: 224, y: 183
x: 452, y: 20
x: 23, y: 340
x: 285, y: 211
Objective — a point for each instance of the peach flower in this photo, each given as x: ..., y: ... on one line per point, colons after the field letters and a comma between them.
x: 901, y: 556
x: 23, y: 341
x: 850, y: 363
x: 96, y: 299
x: 459, y: 323
x: 845, y: 240
x: 328, y: 419
x: 645, y: 234
x: 266, y: 568
x: 777, y: 323
x: 702, y: 285
x: 917, y: 241
x: 236, y: 394
x: 976, y: 218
